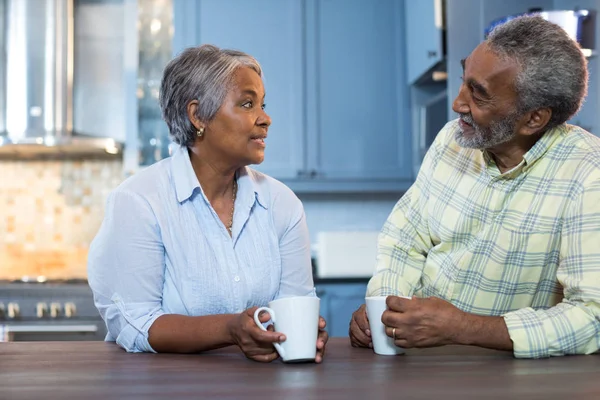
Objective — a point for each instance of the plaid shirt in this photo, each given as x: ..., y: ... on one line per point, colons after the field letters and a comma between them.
x: 524, y: 245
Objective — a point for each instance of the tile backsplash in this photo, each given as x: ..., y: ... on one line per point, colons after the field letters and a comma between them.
x: 49, y: 213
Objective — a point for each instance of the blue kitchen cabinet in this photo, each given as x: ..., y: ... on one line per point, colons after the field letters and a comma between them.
x: 424, y: 36
x: 357, y: 99
x: 338, y: 301
x: 335, y: 85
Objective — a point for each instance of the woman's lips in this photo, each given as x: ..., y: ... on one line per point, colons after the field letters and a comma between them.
x: 259, y: 141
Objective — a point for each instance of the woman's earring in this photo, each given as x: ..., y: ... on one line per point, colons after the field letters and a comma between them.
x: 200, y: 132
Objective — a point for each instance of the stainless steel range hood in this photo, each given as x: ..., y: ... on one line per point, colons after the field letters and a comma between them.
x: 36, y: 83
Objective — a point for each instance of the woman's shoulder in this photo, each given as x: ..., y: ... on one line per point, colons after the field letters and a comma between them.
x: 147, y: 180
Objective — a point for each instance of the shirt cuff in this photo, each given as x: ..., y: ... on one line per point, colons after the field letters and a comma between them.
x: 136, y: 341
x: 133, y: 336
x: 526, y: 330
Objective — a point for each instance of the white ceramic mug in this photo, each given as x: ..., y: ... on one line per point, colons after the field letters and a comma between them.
x: 298, y: 319
x: 382, y: 343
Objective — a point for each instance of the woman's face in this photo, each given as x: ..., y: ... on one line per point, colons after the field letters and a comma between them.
x: 237, y: 133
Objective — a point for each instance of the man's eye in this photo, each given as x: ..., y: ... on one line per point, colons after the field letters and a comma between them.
x: 263, y: 106
x: 247, y: 104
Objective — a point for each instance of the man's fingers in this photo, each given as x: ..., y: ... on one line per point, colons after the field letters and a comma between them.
x: 322, y: 323
x: 398, y: 303
x: 358, y: 336
x: 360, y: 316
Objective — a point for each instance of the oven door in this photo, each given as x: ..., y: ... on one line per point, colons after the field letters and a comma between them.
x: 55, y: 331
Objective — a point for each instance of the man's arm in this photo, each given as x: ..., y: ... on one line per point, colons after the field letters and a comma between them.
x: 403, y: 244
x: 572, y: 326
x: 431, y: 322
x: 404, y: 241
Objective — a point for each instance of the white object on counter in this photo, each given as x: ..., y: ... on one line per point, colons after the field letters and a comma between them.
x: 344, y: 254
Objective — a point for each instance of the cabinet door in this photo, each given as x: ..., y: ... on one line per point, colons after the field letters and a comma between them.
x: 338, y: 302
x: 271, y: 31
x: 357, y: 97
x: 424, y: 47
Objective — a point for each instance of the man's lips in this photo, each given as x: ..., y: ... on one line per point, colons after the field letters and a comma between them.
x: 464, y: 125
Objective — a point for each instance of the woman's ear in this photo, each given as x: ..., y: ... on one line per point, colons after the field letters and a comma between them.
x: 192, y: 111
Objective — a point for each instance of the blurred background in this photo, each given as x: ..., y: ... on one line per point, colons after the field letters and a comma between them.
x: 357, y: 90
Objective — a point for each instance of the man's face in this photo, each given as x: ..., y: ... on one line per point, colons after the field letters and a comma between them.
x: 487, y: 100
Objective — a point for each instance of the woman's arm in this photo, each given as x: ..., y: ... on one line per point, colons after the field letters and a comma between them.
x: 183, y: 334
x: 126, y: 267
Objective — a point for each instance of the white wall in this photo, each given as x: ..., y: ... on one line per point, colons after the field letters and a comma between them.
x: 352, y: 212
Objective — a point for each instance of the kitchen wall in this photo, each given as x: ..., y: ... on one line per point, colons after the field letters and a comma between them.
x: 350, y: 212
x: 49, y: 213
x: 51, y: 210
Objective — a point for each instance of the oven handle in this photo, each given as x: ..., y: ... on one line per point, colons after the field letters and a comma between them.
x: 7, y: 331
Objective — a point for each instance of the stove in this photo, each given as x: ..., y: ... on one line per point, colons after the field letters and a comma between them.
x: 39, y: 309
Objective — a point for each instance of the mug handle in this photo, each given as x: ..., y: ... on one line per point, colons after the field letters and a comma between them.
x: 261, y: 326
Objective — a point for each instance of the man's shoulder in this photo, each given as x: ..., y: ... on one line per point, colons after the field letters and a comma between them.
x: 577, y: 155
x: 580, y: 144
x: 580, y: 138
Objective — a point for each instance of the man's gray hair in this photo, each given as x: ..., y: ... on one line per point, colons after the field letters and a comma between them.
x: 200, y: 73
x: 553, y: 70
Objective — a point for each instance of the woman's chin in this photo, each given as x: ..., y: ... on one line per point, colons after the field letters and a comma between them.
x: 256, y: 159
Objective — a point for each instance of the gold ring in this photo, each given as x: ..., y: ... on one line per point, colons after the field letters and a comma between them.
x: 394, y: 333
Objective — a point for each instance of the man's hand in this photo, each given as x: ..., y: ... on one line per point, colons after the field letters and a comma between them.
x: 426, y: 322
x: 321, y: 340
x: 359, y: 332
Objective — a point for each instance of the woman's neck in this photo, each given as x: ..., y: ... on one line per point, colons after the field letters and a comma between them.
x: 216, y: 180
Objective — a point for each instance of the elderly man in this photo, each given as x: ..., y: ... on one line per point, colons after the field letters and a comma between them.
x: 498, y: 240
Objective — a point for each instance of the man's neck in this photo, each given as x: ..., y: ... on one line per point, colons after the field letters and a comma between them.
x: 510, y: 154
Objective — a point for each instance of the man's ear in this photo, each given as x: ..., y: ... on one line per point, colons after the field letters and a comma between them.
x: 535, y: 121
x: 192, y: 112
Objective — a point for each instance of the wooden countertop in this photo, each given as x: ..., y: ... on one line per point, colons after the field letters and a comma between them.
x: 99, y: 370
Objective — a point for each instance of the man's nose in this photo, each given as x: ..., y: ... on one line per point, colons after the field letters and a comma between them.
x: 460, y: 105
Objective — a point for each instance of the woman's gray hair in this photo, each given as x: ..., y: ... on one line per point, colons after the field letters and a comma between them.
x: 553, y: 70
x: 200, y: 73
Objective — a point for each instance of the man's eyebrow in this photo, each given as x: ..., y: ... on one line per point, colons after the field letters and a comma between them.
x: 479, y: 88
x: 476, y: 86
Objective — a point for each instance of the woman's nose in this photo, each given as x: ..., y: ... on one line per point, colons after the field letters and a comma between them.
x: 264, y: 119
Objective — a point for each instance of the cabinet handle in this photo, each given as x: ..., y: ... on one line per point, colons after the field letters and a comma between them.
x: 431, y: 54
x: 313, y: 173
x: 300, y: 173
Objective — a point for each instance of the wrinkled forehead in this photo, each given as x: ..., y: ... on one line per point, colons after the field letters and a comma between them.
x: 495, y: 72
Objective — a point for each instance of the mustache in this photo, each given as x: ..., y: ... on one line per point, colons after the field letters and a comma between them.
x: 468, y: 118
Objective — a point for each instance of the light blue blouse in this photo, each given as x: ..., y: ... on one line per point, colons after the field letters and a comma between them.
x: 162, y: 249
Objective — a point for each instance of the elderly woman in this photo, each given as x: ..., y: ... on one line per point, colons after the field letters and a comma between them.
x: 190, y: 246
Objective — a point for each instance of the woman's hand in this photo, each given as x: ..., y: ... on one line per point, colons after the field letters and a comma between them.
x: 321, y: 340
x: 255, y: 343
